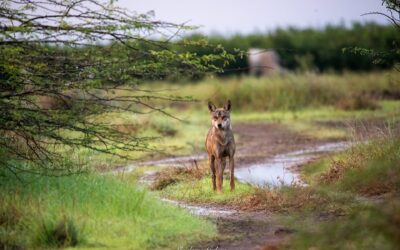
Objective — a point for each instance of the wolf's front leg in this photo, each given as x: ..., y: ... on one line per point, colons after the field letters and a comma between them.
x: 219, y: 174
x: 232, y: 172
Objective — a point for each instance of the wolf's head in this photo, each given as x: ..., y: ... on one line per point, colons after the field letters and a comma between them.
x: 220, y: 117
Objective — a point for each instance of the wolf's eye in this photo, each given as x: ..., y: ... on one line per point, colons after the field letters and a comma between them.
x: 224, y: 118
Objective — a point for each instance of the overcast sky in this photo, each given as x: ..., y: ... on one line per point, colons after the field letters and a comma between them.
x: 246, y: 16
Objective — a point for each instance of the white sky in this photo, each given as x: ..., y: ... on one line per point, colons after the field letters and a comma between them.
x: 247, y: 16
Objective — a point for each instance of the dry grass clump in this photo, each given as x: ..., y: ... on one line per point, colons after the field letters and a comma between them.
x: 338, y: 168
x: 177, y: 174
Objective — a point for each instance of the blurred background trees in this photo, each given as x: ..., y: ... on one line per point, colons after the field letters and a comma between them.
x: 315, y: 49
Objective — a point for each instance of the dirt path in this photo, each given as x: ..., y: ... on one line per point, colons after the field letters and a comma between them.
x: 247, y: 231
x: 257, y: 142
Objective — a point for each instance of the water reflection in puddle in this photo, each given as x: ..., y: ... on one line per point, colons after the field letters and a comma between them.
x: 276, y: 171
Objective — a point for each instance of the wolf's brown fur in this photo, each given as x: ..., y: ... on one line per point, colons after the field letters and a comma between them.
x: 220, y: 144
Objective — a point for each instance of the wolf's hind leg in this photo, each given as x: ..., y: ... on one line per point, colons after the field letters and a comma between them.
x: 232, y: 172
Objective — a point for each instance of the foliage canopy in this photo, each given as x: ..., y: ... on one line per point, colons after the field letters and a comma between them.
x: 61, y: 63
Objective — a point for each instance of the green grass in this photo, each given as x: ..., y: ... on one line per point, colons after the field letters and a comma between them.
x: 200, y: 191
x: 371, y: 227
x: 98, y: 212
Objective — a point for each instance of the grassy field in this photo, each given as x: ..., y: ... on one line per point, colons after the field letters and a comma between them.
x: 105, y: 211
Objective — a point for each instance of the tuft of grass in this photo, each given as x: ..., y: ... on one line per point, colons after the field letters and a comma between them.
x: 63, y: 233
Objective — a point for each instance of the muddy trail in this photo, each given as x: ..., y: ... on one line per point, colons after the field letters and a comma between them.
x: 267, y: 154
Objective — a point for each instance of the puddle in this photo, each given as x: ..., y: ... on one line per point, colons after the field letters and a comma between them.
x: 201, y: 210
x: 277, y: 170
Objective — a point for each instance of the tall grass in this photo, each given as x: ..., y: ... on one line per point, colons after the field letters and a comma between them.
x: 348, y: 91
x: 91, y: 211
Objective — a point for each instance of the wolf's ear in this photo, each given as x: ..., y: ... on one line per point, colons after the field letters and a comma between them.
x: 227, y: 106
x: 211, y: 107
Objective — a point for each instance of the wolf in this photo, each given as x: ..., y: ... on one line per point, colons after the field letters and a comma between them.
x: 220, y: 144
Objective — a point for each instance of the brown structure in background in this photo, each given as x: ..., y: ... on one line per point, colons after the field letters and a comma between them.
x: 263, y: 62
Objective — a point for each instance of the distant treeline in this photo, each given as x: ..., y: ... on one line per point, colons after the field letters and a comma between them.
x: 314, y: 49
